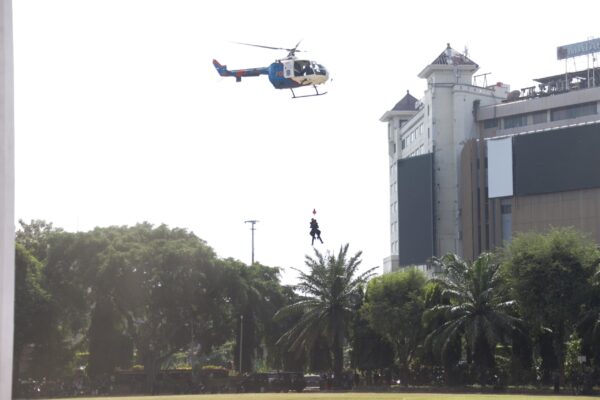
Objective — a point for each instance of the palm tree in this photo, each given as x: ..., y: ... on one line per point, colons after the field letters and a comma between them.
x: 331, y: 291
x: 477, y: 310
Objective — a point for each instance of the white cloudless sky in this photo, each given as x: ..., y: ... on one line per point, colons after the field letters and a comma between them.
x: 121, y: 118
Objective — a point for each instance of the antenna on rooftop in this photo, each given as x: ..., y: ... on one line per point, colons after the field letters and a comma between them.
x: 484, y: 79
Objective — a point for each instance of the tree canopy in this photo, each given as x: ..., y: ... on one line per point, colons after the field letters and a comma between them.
x: 331, y: 291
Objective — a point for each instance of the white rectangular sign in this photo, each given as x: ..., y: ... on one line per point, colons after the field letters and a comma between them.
x: 500, y: 167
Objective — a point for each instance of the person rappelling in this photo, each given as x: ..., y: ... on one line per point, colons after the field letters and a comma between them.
x: 315, y: 232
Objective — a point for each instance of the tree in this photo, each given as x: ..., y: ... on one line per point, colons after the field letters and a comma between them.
x: 588, y: 327
x: 331, y: 289
x: 256, y: 294
x: 394, y: 306
x: 370, y: 350
x: 449, y: 359
x: 550, y: 279
x: 32, y: 303
x: 35, y: 236
x: 153, y: 288
x: 168, y: 291
x: 60, y: 319
x: 479, y: 310
x: 109, y: 346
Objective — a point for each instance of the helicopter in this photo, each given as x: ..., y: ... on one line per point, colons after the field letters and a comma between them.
x: 286, y: 73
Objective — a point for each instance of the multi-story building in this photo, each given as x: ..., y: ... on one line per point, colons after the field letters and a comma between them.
x: 471, y: 165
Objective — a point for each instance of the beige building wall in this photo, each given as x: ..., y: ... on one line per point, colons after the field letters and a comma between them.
x: 539, y: 213
x: 480, y: 217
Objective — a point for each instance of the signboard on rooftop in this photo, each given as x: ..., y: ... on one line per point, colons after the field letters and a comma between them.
x: 578, y: 49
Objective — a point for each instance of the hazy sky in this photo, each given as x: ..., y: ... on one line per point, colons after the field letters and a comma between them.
x: 121, y: 118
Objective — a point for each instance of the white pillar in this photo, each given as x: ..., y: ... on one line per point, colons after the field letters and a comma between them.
x: 7, y: 200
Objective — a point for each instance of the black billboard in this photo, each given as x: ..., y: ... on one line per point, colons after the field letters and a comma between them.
x: 558, y: 160
x: 415, y: 210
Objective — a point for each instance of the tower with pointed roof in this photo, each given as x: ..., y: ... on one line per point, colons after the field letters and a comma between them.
x: 425, y: 138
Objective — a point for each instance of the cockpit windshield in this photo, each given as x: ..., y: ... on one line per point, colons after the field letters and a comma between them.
x: 320, y: 70
x: 303, y: 68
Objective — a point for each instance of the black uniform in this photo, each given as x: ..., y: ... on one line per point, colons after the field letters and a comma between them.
x: 314, y: 231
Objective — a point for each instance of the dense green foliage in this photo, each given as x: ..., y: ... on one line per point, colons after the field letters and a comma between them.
x: 550, y: 279
x: 394, y: 306
x: 125, y: 296
x: 152, y: 297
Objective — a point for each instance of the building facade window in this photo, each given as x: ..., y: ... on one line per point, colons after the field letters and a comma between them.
x: 420, y: 150
x: 539, y: 117
x: 490, y: 123
x: 515, y: 121
x: 579, y: 110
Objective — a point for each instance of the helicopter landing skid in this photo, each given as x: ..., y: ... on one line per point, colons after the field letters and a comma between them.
x: 307, y: 95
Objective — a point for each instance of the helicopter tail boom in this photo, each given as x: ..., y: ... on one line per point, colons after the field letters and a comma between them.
x: 239, y: 73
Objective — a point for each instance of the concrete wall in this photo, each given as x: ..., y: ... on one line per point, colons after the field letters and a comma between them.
x: 7, y: 186
x: 445, y: 183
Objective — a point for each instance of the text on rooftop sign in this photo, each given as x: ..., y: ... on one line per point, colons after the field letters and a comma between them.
x: 578, y: 49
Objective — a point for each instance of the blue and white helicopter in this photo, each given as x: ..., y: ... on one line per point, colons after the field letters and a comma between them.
x: 286, y: 73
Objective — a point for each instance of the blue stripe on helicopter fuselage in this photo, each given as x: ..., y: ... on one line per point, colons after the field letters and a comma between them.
x: 239, y: 73
x: 250, y: 72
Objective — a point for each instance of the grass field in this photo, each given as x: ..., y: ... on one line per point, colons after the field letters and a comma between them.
x: 350, y: 396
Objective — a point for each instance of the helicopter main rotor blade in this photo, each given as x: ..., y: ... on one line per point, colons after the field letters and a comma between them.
x: 270, y: 47
x: 292, y: 52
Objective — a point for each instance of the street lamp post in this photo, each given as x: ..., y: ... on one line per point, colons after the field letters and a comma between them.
x: 252, y: 228
x: 241, y: 340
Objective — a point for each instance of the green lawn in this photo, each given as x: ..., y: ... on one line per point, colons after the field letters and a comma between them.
x: 351, y: 396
